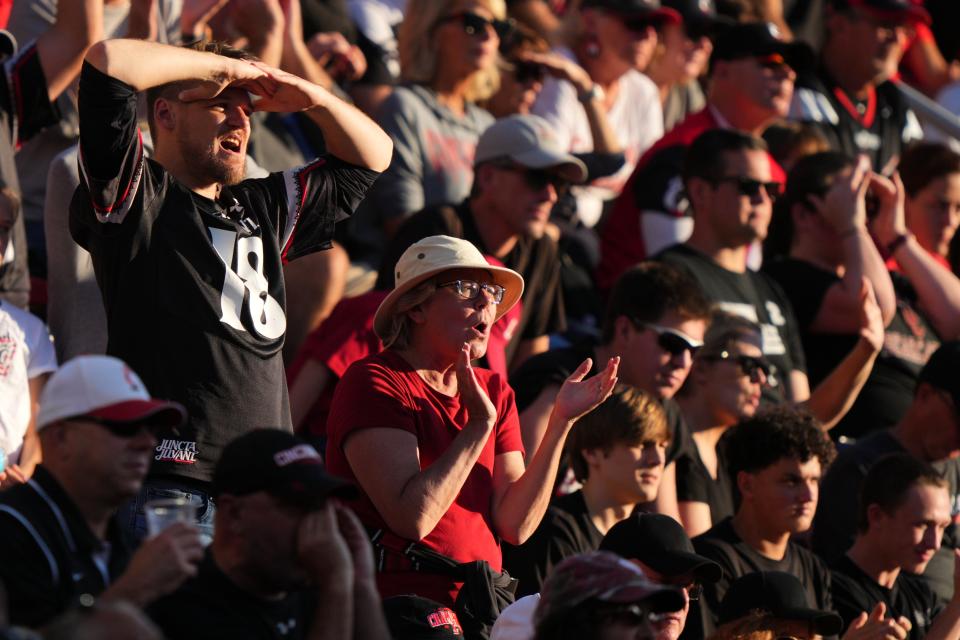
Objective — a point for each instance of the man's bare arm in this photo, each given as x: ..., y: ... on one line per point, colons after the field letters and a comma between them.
x: 79, y: 24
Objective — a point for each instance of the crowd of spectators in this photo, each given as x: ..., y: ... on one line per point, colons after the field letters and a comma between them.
x: 484, y: 319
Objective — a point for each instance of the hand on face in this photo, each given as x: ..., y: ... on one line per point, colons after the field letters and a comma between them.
x: 473, y: 396
x: 324, y: 552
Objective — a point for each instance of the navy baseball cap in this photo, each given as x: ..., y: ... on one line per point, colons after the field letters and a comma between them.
x: 659, y: 542
x: 279, y: 463
x: 901, y: 11
x: 761, y: 40
x: 779, y: 594
x: 650, y: 10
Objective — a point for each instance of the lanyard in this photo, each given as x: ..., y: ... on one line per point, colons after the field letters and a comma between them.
x: 866, y: 119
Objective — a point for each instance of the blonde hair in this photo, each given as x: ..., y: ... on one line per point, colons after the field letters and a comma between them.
x: 398, y: 334
x: 756, y: 625
x: 418, y: 49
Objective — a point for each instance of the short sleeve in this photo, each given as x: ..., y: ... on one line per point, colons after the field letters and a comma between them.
x: 400, y: 190
x: 29, y: 96
x: 370, y: 396
x: 43, y: 358
x: 691, y: 484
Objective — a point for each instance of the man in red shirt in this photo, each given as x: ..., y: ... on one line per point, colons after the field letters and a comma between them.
x: 751, y: 84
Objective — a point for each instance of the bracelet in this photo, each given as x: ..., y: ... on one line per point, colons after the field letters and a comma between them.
x: 593, y: 93
x: 898, y: 242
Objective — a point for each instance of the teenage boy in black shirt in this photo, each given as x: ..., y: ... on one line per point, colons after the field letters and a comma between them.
x: 285, y: 561
x: 776, y: 459
x: 617, y: 451
x: 904, y: 510
x: 188, y: 256
x: 655, y: 321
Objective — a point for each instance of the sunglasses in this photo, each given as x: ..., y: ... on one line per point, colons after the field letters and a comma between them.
x: 470, y: 289
x: 672, y: 341
x: 751, y: 366
x: 474, y: 24
x: 528, y: 72
x: 120, y: 429
x: 538, y: 179
x: 638, y: 25
x: 693, y: 589
x: 626, y: 615
x: 751, y: 188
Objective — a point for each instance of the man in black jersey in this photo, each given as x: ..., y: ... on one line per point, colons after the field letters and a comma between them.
x: 187, y: 256
x: 851, y: 98
x: 776, y: 459
x: 904, y: 510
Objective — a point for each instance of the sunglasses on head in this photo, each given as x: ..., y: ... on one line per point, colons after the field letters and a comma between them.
x: 672, y: 341
x: 750, y: 365
x: 751, y: 188
x: 475, y: 24
x: 528, y: 72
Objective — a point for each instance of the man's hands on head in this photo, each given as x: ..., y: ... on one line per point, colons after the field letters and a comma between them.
x: 160, y: 565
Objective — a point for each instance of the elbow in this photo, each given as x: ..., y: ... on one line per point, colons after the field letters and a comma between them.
x: 97, y: 55
x: 414, y: 528
x: 384, y: 153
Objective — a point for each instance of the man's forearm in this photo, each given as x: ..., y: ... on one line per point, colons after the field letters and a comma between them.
x: 61, y: 48
x: 351, y: 135
x: 369, y: 622
x: 834, y: 396
x: 143, y: 64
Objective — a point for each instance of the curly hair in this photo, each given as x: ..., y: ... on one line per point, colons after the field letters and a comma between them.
x: 774, y: 434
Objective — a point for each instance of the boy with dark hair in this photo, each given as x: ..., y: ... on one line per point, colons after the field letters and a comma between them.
x: 617, y: 451
x: 655, y: 321
x: 904, y: 510
x: 776, y: 460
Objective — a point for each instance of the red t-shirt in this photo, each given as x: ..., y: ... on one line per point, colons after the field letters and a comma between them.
x: 347, y: 336
x: 383, y: 391
x: 621, y: 241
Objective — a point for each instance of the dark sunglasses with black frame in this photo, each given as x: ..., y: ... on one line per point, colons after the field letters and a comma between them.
x: 749, y: 365
x: 123, y: 430
x: 750, y: 187
x: 536, y: 179
x: 475, y: 24
x: 672, y: 341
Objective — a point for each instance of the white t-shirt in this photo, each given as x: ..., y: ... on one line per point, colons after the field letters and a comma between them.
x: 26, y: 351
x: 636, y: 117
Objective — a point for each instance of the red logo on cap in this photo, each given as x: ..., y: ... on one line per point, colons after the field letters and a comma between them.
x: 445, y: 617
x: 131, y: 378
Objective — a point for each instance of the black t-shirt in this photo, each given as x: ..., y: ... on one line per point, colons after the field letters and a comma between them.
x: 878, y: 128
x: 695, y: 484
x: 25, y: 109
x: 757, y: 297
x: 49, y: 557
x: 536, y: 259
x: 722, y: 545
x: 193, y: 288
x: 908, y: 342
x: 855, y: 592
x: 566, y: 530
x: 212, y: 607
x: 835, y: 524
x: 553, y: 367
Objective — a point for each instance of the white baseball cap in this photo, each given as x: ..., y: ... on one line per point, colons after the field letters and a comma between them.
x: 103, y: 388
x: 529, y: 141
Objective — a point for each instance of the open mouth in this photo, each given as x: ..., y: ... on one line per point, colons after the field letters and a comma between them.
x: 232, y: 144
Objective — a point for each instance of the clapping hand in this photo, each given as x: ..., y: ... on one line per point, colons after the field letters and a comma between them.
x: 579, y: 396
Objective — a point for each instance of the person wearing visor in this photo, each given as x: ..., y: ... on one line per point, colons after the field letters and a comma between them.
x: 602, y: 596
x: 287, y: 560
x: 752, y: 70
x: 432, y: 441
x: 62, y: 544
x: 654, y: 321
x: 659, y: 546
x: 724, y: 387
x: 850, y: 96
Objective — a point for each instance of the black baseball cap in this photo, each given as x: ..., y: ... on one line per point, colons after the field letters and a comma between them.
x: 279, y: 463
x: 902, y: 11
x: 411, y: 617
x: 761, y: 40
x: 700, y: 17
x: 646, y: 9
x: 941, y: 370
x: 779, y: 594
x: 659, y: 542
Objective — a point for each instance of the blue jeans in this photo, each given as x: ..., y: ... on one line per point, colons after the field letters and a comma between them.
x: 134, y: 522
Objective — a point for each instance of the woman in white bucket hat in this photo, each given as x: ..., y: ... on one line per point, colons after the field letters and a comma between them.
x: 434, y: 443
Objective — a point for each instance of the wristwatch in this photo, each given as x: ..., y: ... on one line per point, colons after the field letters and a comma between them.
x: 593, y: 93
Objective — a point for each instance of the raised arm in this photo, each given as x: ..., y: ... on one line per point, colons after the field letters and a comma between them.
x: 79, y: 24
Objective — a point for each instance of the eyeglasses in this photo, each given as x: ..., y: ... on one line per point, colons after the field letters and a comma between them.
x: 672, y: 341
x: 751, y: 366
x: 475, y: 24
x: 694, y: 590
x: 751, y: 188
x: 538, y: 179
x: 528, y: 72
x: 123, y: 430
x: 627, y: 615
x: 470, y: 289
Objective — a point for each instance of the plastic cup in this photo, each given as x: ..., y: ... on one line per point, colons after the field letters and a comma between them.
x: 164, y: 513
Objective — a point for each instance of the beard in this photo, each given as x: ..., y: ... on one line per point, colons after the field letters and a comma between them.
x: 202, y: 163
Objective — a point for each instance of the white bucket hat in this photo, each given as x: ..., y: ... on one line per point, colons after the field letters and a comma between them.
x: 434, y: 255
